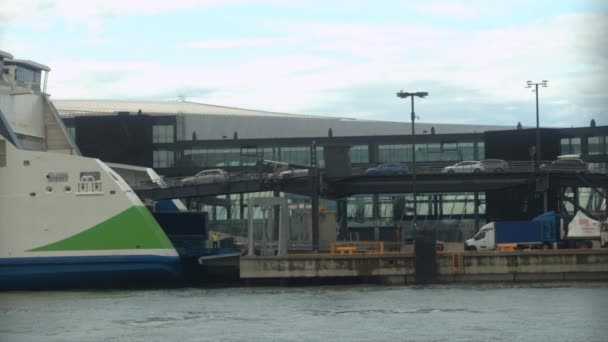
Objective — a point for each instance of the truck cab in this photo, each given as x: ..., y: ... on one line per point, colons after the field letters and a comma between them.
x: 483, y: 240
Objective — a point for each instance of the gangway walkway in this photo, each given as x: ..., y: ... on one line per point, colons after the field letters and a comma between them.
x: 365, y: 184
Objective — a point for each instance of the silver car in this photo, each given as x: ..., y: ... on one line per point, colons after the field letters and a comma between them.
x: 566, y: 165
x: 207, y: 176
x: 494, y: 165
x: 464, y: 166
x: 292, y: 173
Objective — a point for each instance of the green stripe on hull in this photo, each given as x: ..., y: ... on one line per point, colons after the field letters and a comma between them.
x: 134, y: 228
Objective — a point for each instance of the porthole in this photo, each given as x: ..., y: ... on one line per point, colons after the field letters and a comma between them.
x: 112, y: 192
x: 49, y: 189
x: 26, y: 163
x: 67, y: 188
x: 33, y: 194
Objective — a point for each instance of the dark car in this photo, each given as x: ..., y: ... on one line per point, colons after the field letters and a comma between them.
x: 388, y: 169
x: 566, y: 165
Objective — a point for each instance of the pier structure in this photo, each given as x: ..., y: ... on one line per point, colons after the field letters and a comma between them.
x: 450, y: 267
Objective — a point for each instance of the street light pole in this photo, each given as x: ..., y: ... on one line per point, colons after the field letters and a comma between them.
x: 537, y: 147
x: 404, y: 95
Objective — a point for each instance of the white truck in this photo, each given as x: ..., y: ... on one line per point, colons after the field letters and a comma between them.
x: 540, y: 232
x: 582, y: 230
x: 548, y: 230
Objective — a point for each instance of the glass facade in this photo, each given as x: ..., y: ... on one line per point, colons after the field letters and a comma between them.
x: 570, y: 146
x: 299, y: 155
x: 247, y: 156
x: 598, y: 167
x: 448, y: 151
x: 161, y: 159
x: 445, y: 206
x: 359, y: 154
x: 394, y: 153
x: 217, y: 157
x: 596, y: 145
x: 163, y: 134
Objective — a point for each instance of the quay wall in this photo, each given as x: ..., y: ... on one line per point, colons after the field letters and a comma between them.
x: 558, y: 265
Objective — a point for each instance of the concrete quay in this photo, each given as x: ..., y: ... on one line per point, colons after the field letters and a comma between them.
x: 399, y: 268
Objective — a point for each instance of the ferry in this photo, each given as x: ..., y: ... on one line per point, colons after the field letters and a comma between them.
x: 66, y: 220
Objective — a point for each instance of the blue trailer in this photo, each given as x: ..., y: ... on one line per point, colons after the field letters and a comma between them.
x: 541, y: 232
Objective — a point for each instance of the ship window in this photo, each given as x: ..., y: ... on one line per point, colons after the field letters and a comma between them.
x: 2, y: 153
x: 26, y: 163
x: 91, y: 176
x: 28, y: 77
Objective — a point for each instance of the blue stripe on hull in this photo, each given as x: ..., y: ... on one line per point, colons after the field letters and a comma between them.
x: 88, y: 271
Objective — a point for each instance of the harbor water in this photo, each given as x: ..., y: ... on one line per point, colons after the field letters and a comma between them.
x: 530, y: 312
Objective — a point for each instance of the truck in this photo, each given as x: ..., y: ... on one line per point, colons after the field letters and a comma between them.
x: 540, y: 232
x: 581, y: 230
x: 548, y: 230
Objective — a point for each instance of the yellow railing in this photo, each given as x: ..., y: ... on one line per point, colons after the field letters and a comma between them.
x: 364, y: 247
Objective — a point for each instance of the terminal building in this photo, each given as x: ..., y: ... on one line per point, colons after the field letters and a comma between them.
x: 181, y: 138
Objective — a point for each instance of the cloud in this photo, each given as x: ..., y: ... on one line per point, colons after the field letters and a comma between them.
x: 91, y: 12
x: 354, y: 70
x: 89, y: 8
x: 451, y: 9
x: 230, y: 43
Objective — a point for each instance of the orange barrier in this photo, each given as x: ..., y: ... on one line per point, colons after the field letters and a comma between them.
x: 364, y: 247
x: 507, y: 247
x: 343, y: 250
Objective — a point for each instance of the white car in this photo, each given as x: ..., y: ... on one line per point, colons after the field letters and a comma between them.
x: 291, y: 173
x: 207, y: 176
x: 465, y: 166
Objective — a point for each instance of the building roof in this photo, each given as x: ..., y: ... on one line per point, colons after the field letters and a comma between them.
x: 218, y: 122
x: 100, y: 107
x: 28, y: 64
x: 4, y: 54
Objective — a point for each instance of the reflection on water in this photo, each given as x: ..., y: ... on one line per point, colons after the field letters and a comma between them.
x: 530, y: 312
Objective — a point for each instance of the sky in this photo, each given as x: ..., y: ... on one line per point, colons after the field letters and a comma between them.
x: 332, y: 58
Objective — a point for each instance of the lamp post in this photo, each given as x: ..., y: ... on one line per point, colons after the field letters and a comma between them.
x: 529, y: 84
x: 404, y: 95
